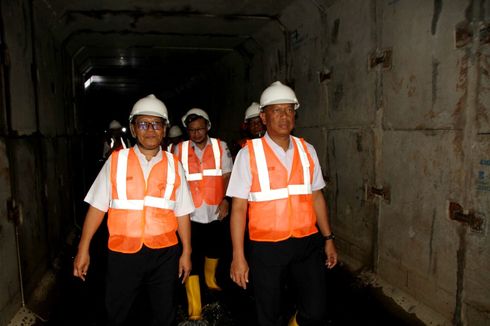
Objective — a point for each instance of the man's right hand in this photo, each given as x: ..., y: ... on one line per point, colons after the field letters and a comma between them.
x: 239, y: 272
x: 80, y: 264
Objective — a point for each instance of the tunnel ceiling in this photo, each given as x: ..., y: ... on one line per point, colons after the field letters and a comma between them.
x: 125, y: 42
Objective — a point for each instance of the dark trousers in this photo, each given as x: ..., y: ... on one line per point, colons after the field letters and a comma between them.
x: 207, y: 241
x: 152, y: 270
x: 301, y: 262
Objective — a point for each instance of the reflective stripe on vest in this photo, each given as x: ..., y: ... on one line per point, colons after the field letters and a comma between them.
x: 216, y: 172
x: 124, y: 203
x: 266, y: 193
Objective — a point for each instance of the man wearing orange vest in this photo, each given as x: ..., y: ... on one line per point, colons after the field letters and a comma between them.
x: 278, y: 180
x: 252, y: 127
x: 145, y: 193
x: 207, y: 163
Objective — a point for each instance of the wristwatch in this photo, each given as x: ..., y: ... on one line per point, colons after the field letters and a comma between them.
x: 331, y: 236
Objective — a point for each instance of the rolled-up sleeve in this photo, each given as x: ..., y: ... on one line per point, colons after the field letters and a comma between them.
x: 318, y: 181
x: 99, y: 195
x: 226, y: 160
x: 241, y: 177
x: 183, y: 198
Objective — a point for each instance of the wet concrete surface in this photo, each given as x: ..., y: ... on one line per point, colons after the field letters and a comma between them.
x: 76, y: 303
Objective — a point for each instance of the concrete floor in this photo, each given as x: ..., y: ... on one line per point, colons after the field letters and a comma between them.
x: 75, y: 303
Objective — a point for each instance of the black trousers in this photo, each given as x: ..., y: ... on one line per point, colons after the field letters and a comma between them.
x: 207, y: 240
x: 300, y: 261
x: 152, y: 270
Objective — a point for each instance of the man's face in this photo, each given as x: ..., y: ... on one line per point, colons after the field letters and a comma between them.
x: 198, y: 130
x: 148, y: 131
x: 279, y: 119
x: 255, y: 126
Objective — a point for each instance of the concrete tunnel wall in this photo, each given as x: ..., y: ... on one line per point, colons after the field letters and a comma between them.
x: 397, y: 143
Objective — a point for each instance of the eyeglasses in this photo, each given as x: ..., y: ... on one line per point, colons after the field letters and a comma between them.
x: 197, y: 130
x: 144, y: 125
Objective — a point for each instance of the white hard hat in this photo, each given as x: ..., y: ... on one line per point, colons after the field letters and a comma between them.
x: 252, y: 111
x: 198, y: 112
x: 174, y: 132
x: 149, y: 105
x: 277, y: 93
x: 115, y: 125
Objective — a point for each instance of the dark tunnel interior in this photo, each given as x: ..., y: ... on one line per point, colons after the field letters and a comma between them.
x: 394, y: 99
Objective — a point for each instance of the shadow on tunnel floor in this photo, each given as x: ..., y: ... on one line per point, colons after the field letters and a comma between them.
x: 77, y: 303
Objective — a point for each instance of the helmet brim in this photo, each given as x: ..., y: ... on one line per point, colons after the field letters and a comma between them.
x: 283, y: 101
x: 149, y: 113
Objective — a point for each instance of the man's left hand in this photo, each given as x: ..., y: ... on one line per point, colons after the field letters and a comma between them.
x: 223, y: 209
x: 185, y: 266
x: 331, y: 253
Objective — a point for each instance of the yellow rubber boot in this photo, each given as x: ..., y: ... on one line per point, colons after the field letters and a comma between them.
x: 210, y: 265
x: 292, y: 321
x: 193, y: 297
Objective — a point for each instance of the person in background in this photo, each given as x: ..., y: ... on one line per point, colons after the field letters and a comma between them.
x: 207, y: 163
x: 115, y: 139
x: 252, y: 127
x: 277, y: 179
x: 174, y: 137
x: 145, y: 193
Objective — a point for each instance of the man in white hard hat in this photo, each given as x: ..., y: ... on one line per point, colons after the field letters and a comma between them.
x: 207, y: 163
x: 115, y: 139
x: 278, y: 180
x: 252, y: 127
x: 145, y: 193
x: 255, y: 127
x: 174, y: 137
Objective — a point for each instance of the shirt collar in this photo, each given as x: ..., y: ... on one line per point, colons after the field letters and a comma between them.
x: 195, y: 146
x: 273, y: 144
x: 142, y: 156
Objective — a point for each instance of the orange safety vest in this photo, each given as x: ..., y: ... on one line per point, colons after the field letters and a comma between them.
x: 280, y: 208
x: 206, y: 179
x: 142, y: 212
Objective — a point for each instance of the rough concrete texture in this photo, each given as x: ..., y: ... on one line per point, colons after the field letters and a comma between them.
x: 397, y: 143
x: 9, y: 282
x: 350, y: 168
x: 18, y: 37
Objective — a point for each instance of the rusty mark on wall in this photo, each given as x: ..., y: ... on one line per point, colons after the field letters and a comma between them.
x: 458, y: 143
x: 482, y: 115
x: 463, y: 34
x: 461, y: 266
x: 470, y: 218
x: 484, y: 33
x: 462, y: 81
x: 380, y: 57
x: 484, y: 68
